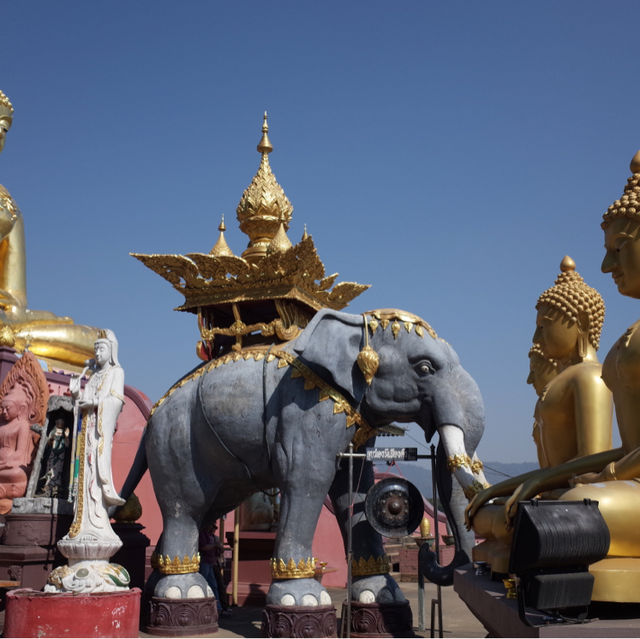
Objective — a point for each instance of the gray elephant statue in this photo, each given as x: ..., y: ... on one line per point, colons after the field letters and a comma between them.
x: 278, y: 416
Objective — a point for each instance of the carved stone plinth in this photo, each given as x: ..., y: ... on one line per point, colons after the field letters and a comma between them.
x: 380, y: 619
x: 35, y: 529
x: 180, y: 617
x: 299, y: 621
x: 28, y: 552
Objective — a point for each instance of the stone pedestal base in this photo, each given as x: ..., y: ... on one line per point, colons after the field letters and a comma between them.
x: 35, y: 529
x: 299, y: 621
x: 28, y: 552
x: 180, y: 617
x: 380, y: 620
x: 30, y: 613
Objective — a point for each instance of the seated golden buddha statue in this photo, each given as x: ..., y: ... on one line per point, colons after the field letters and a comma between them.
x: 612, y: 477
x: 46, y: 335
x: 574, y: 408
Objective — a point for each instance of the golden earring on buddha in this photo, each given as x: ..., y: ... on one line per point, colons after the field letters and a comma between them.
x: 368, y: 360
x: 583, y: 344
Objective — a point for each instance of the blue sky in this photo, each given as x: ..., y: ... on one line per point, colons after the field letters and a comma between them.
x: 449, y: 154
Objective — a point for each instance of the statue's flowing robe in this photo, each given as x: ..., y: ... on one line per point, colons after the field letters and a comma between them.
x: 96, y: 491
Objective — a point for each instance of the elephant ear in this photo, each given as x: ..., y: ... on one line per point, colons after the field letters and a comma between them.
x: 330, y: 344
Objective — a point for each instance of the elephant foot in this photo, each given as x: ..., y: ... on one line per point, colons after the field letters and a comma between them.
x: 297, y: 592
x: 377, y: 589
x: 190, y: 586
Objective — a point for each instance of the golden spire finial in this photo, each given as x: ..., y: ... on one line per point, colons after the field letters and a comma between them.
x: 567, y: 264
x: 280, y: 243
x: 6, y: 108
x: 221, y: 247
x: 635, y: 162
x: 263, y: 205
x: 264, y: 146
x: 305, y: 235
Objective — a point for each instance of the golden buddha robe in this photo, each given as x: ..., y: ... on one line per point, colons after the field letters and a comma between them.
x: 573, y: 420
x: 574, y: 415
x: 619, y: 500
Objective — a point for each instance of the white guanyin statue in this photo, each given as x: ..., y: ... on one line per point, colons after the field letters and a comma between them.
x: 91, y: 542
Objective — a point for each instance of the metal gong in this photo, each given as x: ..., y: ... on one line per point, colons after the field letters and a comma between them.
x: 394, y: 507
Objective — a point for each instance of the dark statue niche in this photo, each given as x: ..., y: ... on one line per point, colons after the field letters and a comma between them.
x: 52, y: 465
x: 37, y: 520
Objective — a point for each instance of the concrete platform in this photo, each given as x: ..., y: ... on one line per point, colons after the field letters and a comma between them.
x: 458, y: 621
x: 487, y: 600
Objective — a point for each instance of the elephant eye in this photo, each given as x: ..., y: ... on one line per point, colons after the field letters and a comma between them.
x: 425, y: 368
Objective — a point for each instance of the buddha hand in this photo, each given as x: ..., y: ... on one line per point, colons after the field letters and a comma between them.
x: 511, y: 505
x: 479, y: 500
x: 11, y: 305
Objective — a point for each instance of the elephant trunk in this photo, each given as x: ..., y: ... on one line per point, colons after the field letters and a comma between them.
x: 453, y: 503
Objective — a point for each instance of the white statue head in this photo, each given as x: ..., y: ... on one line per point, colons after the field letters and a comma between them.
x: 107, y: 337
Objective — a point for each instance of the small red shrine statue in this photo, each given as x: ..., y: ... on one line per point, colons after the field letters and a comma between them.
x: 23, y: 401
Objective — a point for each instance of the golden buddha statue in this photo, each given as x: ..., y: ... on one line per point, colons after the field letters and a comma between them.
x: 50, y: 337
x: 574, y: 409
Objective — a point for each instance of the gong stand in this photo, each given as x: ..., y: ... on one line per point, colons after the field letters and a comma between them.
x: 436, y: 603
x: 346, y: 623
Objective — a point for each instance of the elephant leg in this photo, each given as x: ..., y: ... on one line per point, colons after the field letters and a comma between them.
x: 183, y: 501
x: 302, y: 496
x: 370, y: 568
x: 179, y: 540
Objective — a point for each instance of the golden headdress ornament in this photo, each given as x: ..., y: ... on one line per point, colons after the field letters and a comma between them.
x: 572, y: 296
x: 629, y: 204
x: 6, y: 108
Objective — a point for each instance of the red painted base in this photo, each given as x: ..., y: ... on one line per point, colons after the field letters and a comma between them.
x: 31, y: 613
